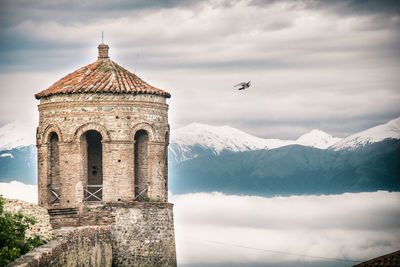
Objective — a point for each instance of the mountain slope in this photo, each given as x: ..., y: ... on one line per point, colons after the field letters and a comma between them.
x: 318, y: 139
x: 379, y: 133
x: 292, y: 170
x: 195, y: 140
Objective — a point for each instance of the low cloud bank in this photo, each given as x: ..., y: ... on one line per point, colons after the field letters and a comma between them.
x: 213, y: 229
x: 216, y: 228
x: 17, y: 190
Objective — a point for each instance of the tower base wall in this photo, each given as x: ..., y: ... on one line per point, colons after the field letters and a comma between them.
x: 143, y: 234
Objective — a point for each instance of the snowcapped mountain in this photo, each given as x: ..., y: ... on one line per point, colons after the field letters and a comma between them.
x: 317, y: 138
x: 221, y: 138
x: 16, y: 134
x: 390, y: 129
x: 196, y: 139
x: 191, y: 141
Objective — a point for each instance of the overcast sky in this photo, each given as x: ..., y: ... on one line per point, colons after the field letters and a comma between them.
x: 332, y: 65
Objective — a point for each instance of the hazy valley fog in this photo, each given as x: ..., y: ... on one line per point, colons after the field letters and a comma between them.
x: 213, y: 229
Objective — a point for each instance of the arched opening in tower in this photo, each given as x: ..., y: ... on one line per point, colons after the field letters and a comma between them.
x: 141, y: 169
x: 54, y: 172
x: 94, y: 166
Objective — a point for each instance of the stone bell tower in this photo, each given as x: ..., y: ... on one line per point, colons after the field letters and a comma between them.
x: 102, y: 141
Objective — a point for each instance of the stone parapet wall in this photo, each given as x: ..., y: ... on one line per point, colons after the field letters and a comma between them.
x: 81, y: 246
x: 42, y: 227
x: 143, y: 234
x: 121, y: 234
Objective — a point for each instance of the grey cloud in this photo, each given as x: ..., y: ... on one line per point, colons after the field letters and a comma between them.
x: 364, y: 6
x: 292, y: 129
x: 69, y: 11
x: 309, y: 69
x: 342, y: 7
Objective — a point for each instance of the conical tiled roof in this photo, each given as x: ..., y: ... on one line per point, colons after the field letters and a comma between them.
x: 102, y: 76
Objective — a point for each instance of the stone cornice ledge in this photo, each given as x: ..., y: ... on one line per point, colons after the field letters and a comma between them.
x: 137, y: 204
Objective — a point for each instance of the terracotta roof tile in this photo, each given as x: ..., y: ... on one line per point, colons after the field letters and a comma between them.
x: 102, y: 76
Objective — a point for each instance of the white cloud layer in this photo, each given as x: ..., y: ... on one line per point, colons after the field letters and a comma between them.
x: 17, y: 190
x: 213, y: 228
x: 217, y: 228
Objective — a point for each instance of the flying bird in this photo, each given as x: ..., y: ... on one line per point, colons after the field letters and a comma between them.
x: 243, y: 85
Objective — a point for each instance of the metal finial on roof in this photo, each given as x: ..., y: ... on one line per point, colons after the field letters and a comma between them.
x: 102, y: 37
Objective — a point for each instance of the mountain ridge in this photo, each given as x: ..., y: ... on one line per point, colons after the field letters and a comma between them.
x: 196, y: 140
x: 318, y: 139
x: 292, y: 170
x: 388, y: 130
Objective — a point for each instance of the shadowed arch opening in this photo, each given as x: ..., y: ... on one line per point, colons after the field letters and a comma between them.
x: 141, y: 165
x: 93, y: 165
x: 54, y: 170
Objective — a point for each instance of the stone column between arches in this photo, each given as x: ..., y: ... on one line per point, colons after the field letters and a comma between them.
x: 42, y: 175
x: 70, y: 174
x: 157, y: 172
x: 118, y: 172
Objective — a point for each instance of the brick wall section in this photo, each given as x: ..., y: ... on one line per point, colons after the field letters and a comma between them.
x: 82, y: 246
x: 63, y: 217
x: 95, y: 215
x: 143, y: 234
x: 117, y: 117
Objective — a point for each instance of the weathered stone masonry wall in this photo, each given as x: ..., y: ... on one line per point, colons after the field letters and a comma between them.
x: 137, y: 234
x: 143, y: 234
x: 82, y: 246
